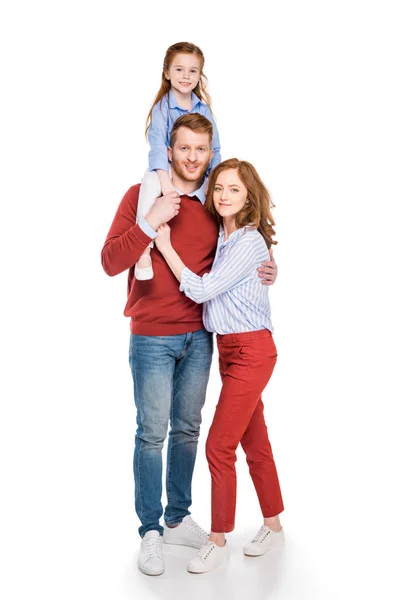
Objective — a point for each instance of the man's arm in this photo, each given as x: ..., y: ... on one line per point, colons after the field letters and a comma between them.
x: 269, y: 270
x: 126, y: 239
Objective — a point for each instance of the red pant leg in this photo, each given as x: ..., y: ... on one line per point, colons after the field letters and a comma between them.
x: 257, y: 447
x: 246, y: 363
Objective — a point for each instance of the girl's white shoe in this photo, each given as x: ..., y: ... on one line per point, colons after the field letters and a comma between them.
x: 144, y: 268
x: 208, y: 558
x: 264, y: 541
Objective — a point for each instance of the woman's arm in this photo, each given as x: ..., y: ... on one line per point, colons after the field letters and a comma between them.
x: 237, y: 264
x: 163, y: 243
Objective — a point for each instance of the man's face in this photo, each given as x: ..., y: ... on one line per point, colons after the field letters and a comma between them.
x: 191, y: 154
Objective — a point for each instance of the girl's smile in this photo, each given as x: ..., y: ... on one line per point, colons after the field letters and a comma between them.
x: 184, y: 73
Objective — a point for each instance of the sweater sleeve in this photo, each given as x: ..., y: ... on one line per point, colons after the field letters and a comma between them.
x: 231, y: 270
x: 126, y: 240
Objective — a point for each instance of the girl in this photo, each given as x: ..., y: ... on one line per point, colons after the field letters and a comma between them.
x: 183, y: 90
x: 237, y: 308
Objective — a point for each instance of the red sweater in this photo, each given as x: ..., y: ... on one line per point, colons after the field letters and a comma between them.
x: 157, y: 307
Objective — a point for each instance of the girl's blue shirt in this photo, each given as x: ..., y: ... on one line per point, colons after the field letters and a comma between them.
x: 163, y: 116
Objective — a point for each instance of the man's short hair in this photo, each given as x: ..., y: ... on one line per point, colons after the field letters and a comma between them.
x: 194, y: 122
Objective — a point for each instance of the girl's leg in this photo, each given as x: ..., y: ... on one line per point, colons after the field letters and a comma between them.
x: 150, y: 189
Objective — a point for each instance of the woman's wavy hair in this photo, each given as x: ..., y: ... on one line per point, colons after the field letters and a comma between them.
x: 199, y: 90
x: 257, y: 210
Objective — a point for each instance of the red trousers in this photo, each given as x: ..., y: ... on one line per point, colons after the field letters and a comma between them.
x: 246, y: 362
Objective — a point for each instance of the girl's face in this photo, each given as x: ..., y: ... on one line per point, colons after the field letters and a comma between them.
x: 184, y: 73
x: 230, y: 194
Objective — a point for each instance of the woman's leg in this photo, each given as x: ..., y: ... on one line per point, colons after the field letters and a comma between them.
x: 256, y: 444
x: 245, y: 370
x: 257, y: 447
x: 244, y: 374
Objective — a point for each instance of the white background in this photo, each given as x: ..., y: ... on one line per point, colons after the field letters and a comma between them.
x: 307, y: 91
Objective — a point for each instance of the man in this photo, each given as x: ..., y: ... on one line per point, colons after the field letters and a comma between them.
x: 170, y: 351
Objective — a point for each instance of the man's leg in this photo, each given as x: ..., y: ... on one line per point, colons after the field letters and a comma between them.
x: 189, y: 393
x: 152, y: 364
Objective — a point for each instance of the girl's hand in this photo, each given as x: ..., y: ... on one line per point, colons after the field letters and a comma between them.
x: 163, y: 239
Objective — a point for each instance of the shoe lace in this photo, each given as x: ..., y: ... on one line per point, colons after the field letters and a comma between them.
x: 152, y: 547
x: 261, y: 535
x: 205, y: 550
x: 192, y: 525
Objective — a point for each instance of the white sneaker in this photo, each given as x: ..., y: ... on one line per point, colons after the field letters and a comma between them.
x: 208, y: 558
x: 187, y: 533
x: 150, y: 556
x: 144, y: 273
x: 264, y: 541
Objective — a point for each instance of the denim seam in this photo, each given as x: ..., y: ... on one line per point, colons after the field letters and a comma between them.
x: 171, y: 451
x: 139, y: 445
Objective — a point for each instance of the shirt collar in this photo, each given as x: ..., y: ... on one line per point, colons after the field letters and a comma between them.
x: 173, y: 103
x: 235, y: 234
x: 200, y: 193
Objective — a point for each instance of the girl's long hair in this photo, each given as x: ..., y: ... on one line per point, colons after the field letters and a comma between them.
x: 257, y: 211
x: 199, y: 90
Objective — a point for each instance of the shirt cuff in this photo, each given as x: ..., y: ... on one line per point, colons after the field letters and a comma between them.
x: 185, y: 280
x: 145, y: 227
x: 158, y: 162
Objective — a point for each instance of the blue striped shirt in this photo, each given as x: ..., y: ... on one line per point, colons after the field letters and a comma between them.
x: 162, y: 119
x: 234, y: 299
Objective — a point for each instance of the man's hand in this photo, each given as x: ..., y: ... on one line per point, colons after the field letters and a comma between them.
x: 163, y: 210
x: 268, y: 271
x: 163, y: 240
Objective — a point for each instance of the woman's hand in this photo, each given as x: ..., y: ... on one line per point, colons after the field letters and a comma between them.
x: 163, y: 239
x: 163, y: 243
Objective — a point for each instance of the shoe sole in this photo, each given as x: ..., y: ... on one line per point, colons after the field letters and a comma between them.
x: 151, y: 574
x: 266, y: 552
x: 209, y: 570
x: 182, y: 544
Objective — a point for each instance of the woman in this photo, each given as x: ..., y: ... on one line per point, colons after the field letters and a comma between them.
x: 236, y: 308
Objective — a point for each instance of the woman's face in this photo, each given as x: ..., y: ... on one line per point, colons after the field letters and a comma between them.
x: 230, y: 194
x: 184, y: 73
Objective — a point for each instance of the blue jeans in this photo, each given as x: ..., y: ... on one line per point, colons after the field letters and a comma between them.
x: 170, y: 376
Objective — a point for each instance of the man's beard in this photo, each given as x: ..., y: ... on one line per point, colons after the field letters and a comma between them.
x: 183, y: 174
